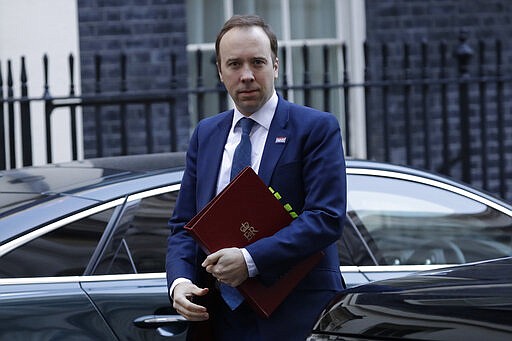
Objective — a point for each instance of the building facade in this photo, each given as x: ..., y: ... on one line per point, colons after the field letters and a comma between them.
x: 368, y: 52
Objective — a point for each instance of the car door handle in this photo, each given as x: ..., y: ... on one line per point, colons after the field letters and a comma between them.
x: 157, y: 321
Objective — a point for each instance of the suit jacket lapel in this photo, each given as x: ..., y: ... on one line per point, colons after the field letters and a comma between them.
x: 277, y: 138
x: 212, y: 155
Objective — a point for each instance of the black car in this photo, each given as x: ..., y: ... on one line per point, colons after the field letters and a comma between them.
x: 468, y: 302
x: 82, y: 244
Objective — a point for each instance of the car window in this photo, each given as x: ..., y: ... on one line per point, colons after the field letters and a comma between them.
x: 143, y: 245
x: 139, y: 244
x: 412, y: 223
x: 65, y: 251
x: 351, y: 247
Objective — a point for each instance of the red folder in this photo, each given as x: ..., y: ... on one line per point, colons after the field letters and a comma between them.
x: 245, y: 211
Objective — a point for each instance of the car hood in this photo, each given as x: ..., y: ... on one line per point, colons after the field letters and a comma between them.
x: 471, y: 301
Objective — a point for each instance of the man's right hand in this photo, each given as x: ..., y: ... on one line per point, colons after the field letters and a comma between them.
x: 182, y: 301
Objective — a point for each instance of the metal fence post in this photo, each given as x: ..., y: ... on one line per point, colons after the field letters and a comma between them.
x: 445, y: 167
x: 122, y: 108
x: 407, y: 94
x: 97, y: 108
x: 284, y: 83
x: 327, y: 81
x: 346, y: 100
x: 385, y: 104
x: 463, y: 53
x: 10, y: 112
x: 72, y: 108
x: 3, y: 156
x: 367, y: 96
x: 26, y: 134
x: 199, y: 85
x: 306, y: 76
x: 173, y: 130
x: 48, y: 108
x: 500, y: 119
x: 482, y: 91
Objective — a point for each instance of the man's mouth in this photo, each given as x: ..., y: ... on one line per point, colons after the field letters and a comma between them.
x: 247, y: 91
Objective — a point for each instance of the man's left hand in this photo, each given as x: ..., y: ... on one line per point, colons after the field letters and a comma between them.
x: 228, y: 266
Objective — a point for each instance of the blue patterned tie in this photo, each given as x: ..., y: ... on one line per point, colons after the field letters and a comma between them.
x: 242, y: 156
x: 241, y: 159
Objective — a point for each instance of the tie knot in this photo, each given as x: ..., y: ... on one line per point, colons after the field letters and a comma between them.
x: 246, y: 124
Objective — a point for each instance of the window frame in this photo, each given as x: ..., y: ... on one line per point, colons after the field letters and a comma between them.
x: 350, y: 29
x: 132, y: 203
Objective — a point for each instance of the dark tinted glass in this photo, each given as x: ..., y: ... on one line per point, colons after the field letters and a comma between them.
x: 410, y: 223
x: 62, y: 252
x: 351, y: 248
x: 140, y: 242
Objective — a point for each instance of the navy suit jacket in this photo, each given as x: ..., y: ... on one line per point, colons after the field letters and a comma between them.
x: 308, y: 170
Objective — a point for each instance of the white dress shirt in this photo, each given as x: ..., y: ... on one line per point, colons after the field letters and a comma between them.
x: 258, y: 136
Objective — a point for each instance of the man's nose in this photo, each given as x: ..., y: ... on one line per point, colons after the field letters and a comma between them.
x: 247, y: 75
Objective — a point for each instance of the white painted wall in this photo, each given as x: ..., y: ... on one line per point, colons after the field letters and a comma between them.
x: 353, y: 31
x: 32, y: 28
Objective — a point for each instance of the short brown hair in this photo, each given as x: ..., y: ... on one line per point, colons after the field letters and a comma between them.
x: 247, y: 21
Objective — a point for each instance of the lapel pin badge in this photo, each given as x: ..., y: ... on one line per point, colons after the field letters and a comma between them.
x: 281, y: 139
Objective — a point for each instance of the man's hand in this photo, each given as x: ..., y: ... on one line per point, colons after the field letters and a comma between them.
x: 227, y: 265
x: 182, y: 295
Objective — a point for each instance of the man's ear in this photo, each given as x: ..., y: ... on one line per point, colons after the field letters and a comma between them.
x: 219, y: 72
x: 276, y: 68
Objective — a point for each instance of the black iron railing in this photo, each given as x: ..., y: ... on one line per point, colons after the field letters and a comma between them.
x: 428, y: 105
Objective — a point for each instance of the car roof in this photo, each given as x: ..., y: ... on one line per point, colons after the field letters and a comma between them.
x: 412, y: 173
x: 28, y: 185
x: 25, y: 186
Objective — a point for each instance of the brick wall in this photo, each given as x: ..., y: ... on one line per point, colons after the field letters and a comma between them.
x: 399, y: 22
x: 147, y: 31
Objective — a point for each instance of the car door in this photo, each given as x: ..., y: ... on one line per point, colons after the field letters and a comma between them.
x: 40, y: 293
x: 127, y: 281
x: 412, y: 223
x: 49, y: 309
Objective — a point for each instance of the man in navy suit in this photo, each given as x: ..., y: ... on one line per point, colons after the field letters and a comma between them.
x: 295, y: 150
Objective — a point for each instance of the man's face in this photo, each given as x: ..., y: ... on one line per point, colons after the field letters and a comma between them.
x: 246, y: 67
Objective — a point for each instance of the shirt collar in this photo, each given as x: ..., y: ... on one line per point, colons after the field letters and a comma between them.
x: 263, y: 116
